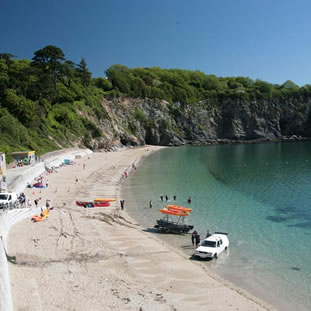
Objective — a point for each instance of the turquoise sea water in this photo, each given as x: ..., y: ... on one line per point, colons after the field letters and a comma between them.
x: 259, y: 193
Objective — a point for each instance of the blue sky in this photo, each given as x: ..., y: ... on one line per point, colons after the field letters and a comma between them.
x: 261, y: 39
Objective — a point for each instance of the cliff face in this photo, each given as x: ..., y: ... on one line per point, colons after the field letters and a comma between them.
x: 144, y: 121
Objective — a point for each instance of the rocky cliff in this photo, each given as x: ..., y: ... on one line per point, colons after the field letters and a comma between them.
x: 152, y: 121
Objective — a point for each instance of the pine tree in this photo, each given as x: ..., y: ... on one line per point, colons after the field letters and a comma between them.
x: 84, y: 73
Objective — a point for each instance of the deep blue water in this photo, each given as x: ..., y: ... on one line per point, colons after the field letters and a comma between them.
x: 259, y: 193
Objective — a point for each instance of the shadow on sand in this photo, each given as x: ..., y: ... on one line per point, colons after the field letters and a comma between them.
x: 192, y: 257
x: 159, y: 231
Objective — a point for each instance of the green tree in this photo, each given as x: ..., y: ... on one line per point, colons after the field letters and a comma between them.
x: 7, y: 57
x: 211, y: 82
x: 245, y: 81
x: 263, y: 86
x: 103, y: 84
x: 84, y: 73
x: 48, y: 60
x: 4, y: 78
x: 19, y: 75
x: 118, y: 75
x: 67, y: 72
x: 22, y: 108
x: 289, y: 85
x: 233, y: 84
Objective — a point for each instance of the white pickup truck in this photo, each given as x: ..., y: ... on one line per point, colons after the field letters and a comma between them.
x: 213, y: 246
x: 8, y: 199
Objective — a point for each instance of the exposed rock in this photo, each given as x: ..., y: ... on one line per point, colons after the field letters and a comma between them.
x: 150, y: 121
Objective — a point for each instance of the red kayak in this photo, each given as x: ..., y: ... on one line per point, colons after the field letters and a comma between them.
x: 92, y: 204
x: 80, y: 203
x: 101, y: 204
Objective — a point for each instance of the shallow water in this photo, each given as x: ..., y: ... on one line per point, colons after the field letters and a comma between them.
x: 259, y: 193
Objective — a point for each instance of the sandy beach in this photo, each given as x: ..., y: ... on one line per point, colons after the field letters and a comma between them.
x: 101, y: 259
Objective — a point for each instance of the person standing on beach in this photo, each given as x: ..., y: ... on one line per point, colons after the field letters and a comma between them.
x: 166, y: 198
x: 150, y: 204
x: 37, y: 201
x: 46, y: 183
x: 83, y: 166
x: 122, y: 204
x: 194, y: 234
x: 22, y: 199
x: 197, y: 240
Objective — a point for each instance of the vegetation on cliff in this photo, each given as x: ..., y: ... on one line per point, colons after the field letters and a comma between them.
x: 176, y: 85
x: 47, y: 103
x: 50, y: 102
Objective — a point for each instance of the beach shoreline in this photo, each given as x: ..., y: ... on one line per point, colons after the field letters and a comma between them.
x: 81, y: 257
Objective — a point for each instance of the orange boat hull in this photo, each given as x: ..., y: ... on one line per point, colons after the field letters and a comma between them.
x: 174, y: 212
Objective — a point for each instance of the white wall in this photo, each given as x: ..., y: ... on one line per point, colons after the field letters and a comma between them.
x: 17, y: 179
x: 7, y: 220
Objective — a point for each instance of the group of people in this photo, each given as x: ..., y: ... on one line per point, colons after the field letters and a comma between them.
x: 195, y: 238
x: 47, y: 202
x: 20, y: 163
x: 162, y: 197
x: 126, y: 173
x: 39, y: 183
x: 22, y: 199
x: 26, y: 203
x: 165, y: 197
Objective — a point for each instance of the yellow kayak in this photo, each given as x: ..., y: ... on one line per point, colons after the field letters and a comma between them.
x: 45, y: 213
